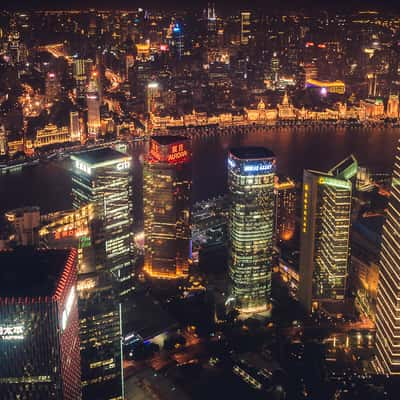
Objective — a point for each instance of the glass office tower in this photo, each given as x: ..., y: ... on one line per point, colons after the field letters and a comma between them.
x: 167, y: 200
x: 325, y: 233
x: 251, y: 173
x: 387, y: 360
x: 102, y: 178
x: 39, y: 325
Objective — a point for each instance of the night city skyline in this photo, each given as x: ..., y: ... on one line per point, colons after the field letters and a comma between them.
x: 200, y: 200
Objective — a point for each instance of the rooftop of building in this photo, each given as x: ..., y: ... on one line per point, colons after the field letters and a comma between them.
x: 99, y: 156
x: 168, y: 139
x: 26, y: 272
x: 251, y: 153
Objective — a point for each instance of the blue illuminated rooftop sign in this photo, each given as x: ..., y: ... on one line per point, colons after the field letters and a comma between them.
x: 177, y: 28
x: 258, y: 167
x: 252, y: 167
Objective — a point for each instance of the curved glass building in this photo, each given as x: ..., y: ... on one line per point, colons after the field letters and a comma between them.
x: 251, y: 173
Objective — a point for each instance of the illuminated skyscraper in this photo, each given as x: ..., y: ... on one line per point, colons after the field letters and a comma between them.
x: 177, y: 42
x: 39, y: 326
x: 152, y: 94
x: 81, y: 68
x: 325, y: 232
x: 74, y: 126
x: 167, y: 197
x: 285, y: 209
x: 52, y: 87
x: 93, y: 107
x: 14, y: 44
x: 211, y: 26
x: 251, y: 173
x: 103, y: 178
x: 3, y: 141
x: 387, y: 359
x: 245, y: 27
x: 393, y: 106
x: 275, y: 68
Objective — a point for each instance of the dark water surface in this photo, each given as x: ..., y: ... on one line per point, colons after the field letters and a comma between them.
x: 296, y: 148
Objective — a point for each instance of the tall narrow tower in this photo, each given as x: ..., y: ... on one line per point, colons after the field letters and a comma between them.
x: 93, y: 106
x: 251, y: 173
x: 387, y: 359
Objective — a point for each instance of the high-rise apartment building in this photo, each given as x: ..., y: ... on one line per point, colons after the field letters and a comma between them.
x: 251, y: 173
x: 325, y: 233
x: 387, y: 360
x: 39, y: 325
x: 167, y: 200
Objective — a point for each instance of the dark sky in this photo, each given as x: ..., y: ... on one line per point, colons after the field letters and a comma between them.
x: 231, y: 5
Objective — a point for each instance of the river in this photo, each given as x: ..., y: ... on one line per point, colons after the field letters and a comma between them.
x: 48, y: 185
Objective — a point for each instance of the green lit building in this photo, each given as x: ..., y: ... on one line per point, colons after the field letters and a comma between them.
x: 325, y: 232
x: 251, y: 173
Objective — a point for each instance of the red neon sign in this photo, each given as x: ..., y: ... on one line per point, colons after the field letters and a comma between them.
x: 177, y: 153
x: 173, y: 153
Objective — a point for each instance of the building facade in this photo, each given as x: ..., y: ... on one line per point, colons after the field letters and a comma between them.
x: 93, y: 107
x: 25, y: 223
x: 251, y: 173
x: 285, y: 209
x: 167, y: 200
x: 387, y: 359
x: 102, y: 178
x: 39, y: 330
x: 325, y: 233
x: 51, y: 134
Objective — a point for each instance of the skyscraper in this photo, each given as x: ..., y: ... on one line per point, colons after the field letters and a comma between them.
x: 177, y: 43
x: 393, y: 106
x: 387, y: 359
x: 81, y: 67
x: 275, y: 68
x: 152, y: 94
x: 74, y: 126
x: 325, y: 232
x: 245, y: 27
x: 251, y: 172
x: 285, y: 209
x: 167, y: 198
x: 103, y: 178
x: 93, y: 107
x: 52, y: 87
x: 39, y: 328
x: 3, y: 141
